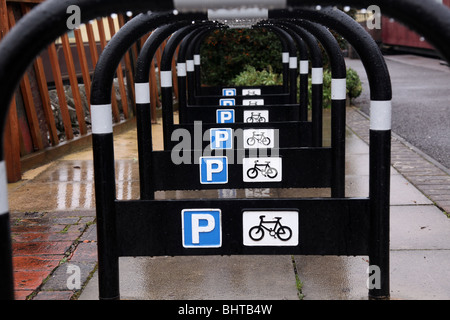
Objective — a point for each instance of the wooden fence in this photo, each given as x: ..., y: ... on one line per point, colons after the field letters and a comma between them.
x: 51, y: 107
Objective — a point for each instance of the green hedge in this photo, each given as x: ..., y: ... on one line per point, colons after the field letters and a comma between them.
x: 253, y: 57
x: 225, y: 53
x: 252, y: 77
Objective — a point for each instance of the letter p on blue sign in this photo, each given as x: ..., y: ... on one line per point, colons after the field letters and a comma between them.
x: 221, y: 138
x: 213, y: 170
x: 201, y: 228
x: 225, y: 116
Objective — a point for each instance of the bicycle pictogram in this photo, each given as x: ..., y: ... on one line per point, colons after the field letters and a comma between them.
x: 258, y: 137
x: 252, y: 93
x: 265, y: 169
x: 255, y: 117
x: 279, y: 231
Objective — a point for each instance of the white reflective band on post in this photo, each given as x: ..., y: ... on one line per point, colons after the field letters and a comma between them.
x: 181, y: 69
x: 292, y: 62
x: 304, y: 66
x: 380, y: 115
x: 101, y: 118
x: 142, y: 92
x: 317, y: 75
x: 338, y: 89
x: 190, y: 65
x: 166, y: 79
x: 197, y: 59
x: 285, y: 57
x: 4, y: 207
x: 233, y: 14
x: 197, y: 5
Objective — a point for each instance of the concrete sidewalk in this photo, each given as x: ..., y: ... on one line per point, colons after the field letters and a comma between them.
x: 57, y: 230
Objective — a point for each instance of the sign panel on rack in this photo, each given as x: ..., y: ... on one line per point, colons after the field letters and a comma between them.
x: 251, y: 92
x: 263, y: 169
x: 225, y: 116
x: 201, y: 228
x: 259, y: 138
x: 256, y: 116
x: 221, y: 138
x: 213, y: 170
x: 229, y: 92
x: 253, y: 102
x: 270, y: 228
x: 227, y: 102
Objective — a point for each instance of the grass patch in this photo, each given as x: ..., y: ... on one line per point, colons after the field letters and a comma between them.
x: 298, y: 282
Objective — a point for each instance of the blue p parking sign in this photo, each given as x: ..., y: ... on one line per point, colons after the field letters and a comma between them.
x: 227, y: 102
x: 221, y: 138
x: 225, y: 116
x: 213, y: 170
x: 229, y: 92
x: 201, y: 228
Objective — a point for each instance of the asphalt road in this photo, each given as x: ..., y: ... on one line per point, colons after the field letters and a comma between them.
x: 420, y: 103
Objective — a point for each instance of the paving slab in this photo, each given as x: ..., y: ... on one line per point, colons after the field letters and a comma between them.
x: 204, y: 278
x: 422, y: 227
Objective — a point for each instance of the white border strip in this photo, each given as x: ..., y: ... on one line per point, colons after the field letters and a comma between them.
x: 380, y: 115
x: 317, y: 75
x: 142, y: 92
x: 285, y: 57
x: 4, y: 206
x: 304, y: 66
x: 292, y: 62
x: 196, y: 5
x: 181, y: 69
x: 166, y: 79
x: 190, y: 65
x: 101, y: 118
x: 338, y: 89
x: 196, y: 59
x: 242, y: 13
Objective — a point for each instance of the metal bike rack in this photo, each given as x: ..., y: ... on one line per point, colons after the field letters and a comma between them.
x: 48, y: 21
x: 182, y: 66
x: 338, y: 106
x: 316, y: 176
x: 282, y: 113
x: 289, y: 59
x: 103, y: 144
x: 187, y: 117
x: 193, y: 55
x: 317, y: 89
x: 315, y: 55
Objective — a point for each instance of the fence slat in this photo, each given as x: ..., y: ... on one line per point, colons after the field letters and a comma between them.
x: 174, y: 72
x: 60, y: 91
x: 123, y: 93
x: 92, y: 44
x: 11, y: 143
x: 154, y: 100
x: 11, y: 140
x: 115, y: 108
x: 28, y: 102
x: 128, y: 67
x: 83, y: 63
x: 74, y: 83
x: 43, y: 91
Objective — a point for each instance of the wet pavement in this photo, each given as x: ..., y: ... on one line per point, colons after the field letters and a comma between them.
x: 54, y: 236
